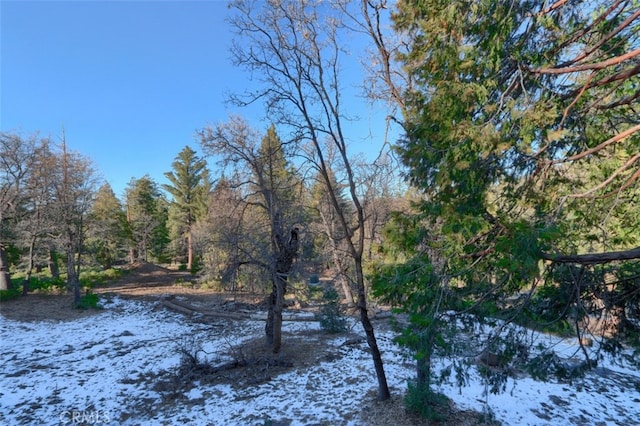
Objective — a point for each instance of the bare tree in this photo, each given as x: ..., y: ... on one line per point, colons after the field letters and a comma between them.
x: 328, y: 230
x: 36, y: 223
x: 271, y: 193
x: 218, y: 236
x: 295, y: 49
x: 15, y: 153
x: 73, y: 190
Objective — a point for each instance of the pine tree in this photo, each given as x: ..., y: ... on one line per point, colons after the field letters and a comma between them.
x: 107, y: 227
x: 146, y: 211
x: 190, y: 186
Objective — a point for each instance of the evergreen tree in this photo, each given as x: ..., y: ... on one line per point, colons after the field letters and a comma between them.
x: 189, y: 186
x: 107, y: 227
x: 330, y: 234
x: 146, y: 212
x: 520, y: 131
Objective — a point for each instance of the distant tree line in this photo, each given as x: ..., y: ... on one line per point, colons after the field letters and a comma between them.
x: 229, y: 230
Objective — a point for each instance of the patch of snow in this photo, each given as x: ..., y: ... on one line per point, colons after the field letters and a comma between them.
x: 91, y: 368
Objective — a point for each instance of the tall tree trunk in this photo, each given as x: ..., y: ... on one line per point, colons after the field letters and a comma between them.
x: 189, y: 251
x: 27, y: 277
x: 383, y: 388
x: 73, y: 283
x: 5, y: 277
x: 277, y: 313
x: 273, y: 327
x: 52, y: 263
x: 287, y: 252
x: 268, y: 328
x: 342, y: 278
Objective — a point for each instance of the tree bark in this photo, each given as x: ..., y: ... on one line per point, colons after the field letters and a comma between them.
x: 27, y: 278
x: 594, y: 258
x: 268, y: 327
x: 277, y: 314
x: 287, y: 252
x: 189, y: 251
x: 383, y: 388
x: 52, y: 263
x: 5, y: 277
x: 73, y: 283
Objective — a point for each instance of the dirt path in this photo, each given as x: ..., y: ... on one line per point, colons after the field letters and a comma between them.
x: 144, y: 281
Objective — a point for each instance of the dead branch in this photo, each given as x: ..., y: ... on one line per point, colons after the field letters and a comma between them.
x: 594, y: 258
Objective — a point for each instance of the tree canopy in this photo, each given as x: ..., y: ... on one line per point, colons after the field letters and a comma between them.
x: 521, y: 131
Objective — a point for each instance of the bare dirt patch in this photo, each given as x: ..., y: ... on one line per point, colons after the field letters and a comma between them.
x: 43, y: 307
x: 142, y: 281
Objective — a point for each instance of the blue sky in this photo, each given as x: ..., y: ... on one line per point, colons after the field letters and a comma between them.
x: 129, y: 81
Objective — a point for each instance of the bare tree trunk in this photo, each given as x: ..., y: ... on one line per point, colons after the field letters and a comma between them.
x: 383, y: 388
x: 288, y: 251
x: 5, y: 277
x: 73, y: 283
x: 280, y: 288
x: 268, y: 328
x: 273, y: 327
x: 342, y: 278
x: 27, y: 278
x: 52, y: 263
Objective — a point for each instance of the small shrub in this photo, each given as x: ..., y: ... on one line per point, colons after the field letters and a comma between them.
x: 92, y: 278
x: 301, y: 292
x: 214, y: 285
x: 426, y: 403
x: 88, y: 301
x: 13, y: 293
x: 47, y: 284
x: 331, y: 317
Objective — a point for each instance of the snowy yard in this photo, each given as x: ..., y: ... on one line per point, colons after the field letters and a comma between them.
x: 105, y: 369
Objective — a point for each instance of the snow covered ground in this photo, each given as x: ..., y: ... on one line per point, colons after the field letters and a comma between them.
x: 89, y: 371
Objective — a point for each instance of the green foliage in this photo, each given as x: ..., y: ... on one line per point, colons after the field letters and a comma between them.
x: 92, y: 278
x: 331, y: 317
x: 189, y: 186
x: 316, y: 293
x: 491, y: 141
x: 147, y: 219
x: 89, y: 301
x: 547, y: 364
x: 10, y: 294
x: 46, y: 284
x: 426, y: 403
x: 107, y: 232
